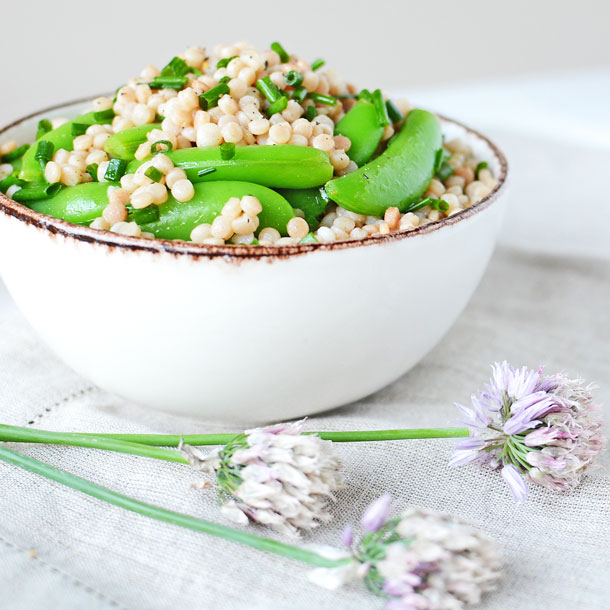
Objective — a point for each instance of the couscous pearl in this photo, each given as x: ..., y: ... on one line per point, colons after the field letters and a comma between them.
x: 102, y: 103
x: 339, y: 233
x: 83, y: 142
x: 237, y: 87
x: 278, y: 79
x: 247, y: 75
x: 232, y: 209
x: 142, y: 115
x: 228, y: 105
x: 158, y: 192
x: 194, y: 56
x: 232, y: 132
x: 221, y: 228
x: 100, y: 224
x: 325, y: 235
x: 118, y: 196
x: 244, y: 224
x: 411, y: 218
x: 141, y: 198
x: 183, y: 190
x: 297, y: 228
x: 126, y: 228
x: 302, y: 127
x: 52, y: 172
x: 5, y: 170
x: 286, y: 241
x: 269, y: 234
x: 188, y: 99
x: 345, y: 223
x: 339, y: 160
x: 201, y: 232
x: 12, y: 190
x: 70, y: 175
x: 163, y: 163
x: 392, y: 218
x: 293, y: 111
x: 143, y: 151
x: 96, y: 156
x: 61, y: 156
x: 209, y: 135
x: 213, y: 241
x: 114, y: 212
x: 280, y: 133
x: 324, y: 142
x: 320, y: 129
x: 234, y: 67
x: 128, y: 183
x: 250, y: 205
x: 259, y: 127
x: 310, y: 81
x: 243, y: 240
x: 297, y: 140
x: 358, y: 234
x: 100, y: 139
x: 225, y: 119
x: 343, y: 143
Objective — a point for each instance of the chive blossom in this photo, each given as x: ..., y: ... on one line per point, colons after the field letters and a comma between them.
x: 329, y: 100
x: 44, y: 126
x: 279, y: 49
x: 317, y: 64
x: 294, y: 78
x: 155, y: 148
x: 92, y: 171
x: 227, y: 151
x: 278, y: 106
x: 393, y: 112
x: 102, y: 116
x: 268, y: 89
x: 44, y: 152
x: 205, y: 171
x: 154, y: 174
x: 116, y: 169
x: 37, y: 191
x: 15, y: 154
x: 225, y: 61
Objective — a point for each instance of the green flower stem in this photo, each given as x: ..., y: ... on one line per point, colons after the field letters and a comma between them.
x: 17, y: 434
x: 167, y: 516
x: 348, y: 436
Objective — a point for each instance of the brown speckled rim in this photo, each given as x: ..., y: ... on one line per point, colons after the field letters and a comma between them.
x: 62, y: 228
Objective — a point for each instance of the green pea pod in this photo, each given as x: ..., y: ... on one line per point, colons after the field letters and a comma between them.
x: 362, y: 126
x: 284, y: 166
x: 310, y: 201
x: 123, y: 145
x: 78, y: 204
x: 62, y: 137
x: 399, y: 176
x: 177, y: 220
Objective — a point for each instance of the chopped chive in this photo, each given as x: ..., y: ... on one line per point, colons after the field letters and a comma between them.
x: 329, y: 100
x: 278, y: 106
x: 317, y: 64
x: 92, y: 170
x: 155, y: 150
x: 78, y: 129
x: 15, y: 154
x: 44, y: 126
x: 393, y: 112
x: 347, y: 96
x: 44, y: 152
x: 227, y: 151
x: 294, y: 78
x: 480, y: 166
x: 209, y: 99
x: 440, y: 204
x: 144, y: 215
x: 9, y: 181
x: 444, y: 171
x: 435, y: 204
x: 382, y: 112
x: 176, y: 67
x: 159, y: 118
x: 299, y: 94
x: 103, y: 115
x: 205, y: 171
x: 311, y: 112
x: 268, y: 89
x: 365, y: 94
x: 154, y: 174
x: 223, y: 63
x: 168, y: 82
x: 279, y: 49
x: 310, y: 238
x: 37, y: 191
x: 116, y: 169
x: 224, y: 80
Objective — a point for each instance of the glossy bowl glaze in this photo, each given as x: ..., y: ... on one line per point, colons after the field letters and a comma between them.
x: 244, y: 334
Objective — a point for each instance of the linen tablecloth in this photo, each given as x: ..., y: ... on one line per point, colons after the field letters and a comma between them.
x: 543, y: 300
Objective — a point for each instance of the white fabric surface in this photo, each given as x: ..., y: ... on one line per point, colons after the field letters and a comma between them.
x: 544, y: 300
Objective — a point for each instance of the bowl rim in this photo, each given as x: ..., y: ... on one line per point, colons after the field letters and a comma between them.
x: 55, y: 226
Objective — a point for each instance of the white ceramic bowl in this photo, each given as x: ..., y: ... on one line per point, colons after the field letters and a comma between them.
x: 244, y: 334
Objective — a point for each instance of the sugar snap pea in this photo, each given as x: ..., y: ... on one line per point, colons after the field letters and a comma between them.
x: 177, y: 220
x: 284, y: 166
x: 399, y: 176
x: 311, y: 201
x: 123, y: 145
x: 62, y: 137
x: 78, y: 204
x: 362, y: 126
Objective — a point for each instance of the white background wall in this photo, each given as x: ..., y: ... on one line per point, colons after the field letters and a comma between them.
x: 54, y: 51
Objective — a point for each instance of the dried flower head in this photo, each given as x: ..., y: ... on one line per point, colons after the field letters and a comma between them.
x: 545, y: 429
x: 418, y: 561
x: 274, y: 476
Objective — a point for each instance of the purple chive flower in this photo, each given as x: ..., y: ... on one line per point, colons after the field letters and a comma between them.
x: 347, y: 536
x: 537, y: 428
x: 376, y: 514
